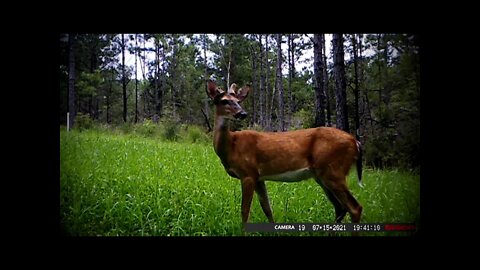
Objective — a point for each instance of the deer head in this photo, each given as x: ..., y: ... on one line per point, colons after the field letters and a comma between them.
x: 228, y: 103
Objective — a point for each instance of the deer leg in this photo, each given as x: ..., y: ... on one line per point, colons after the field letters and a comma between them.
x: 261, y: 190
x: 340, y: 190
x: 340, y: 211
x: 248, y: 186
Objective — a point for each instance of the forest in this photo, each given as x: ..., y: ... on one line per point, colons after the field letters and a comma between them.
x: 136, y: 128
x: 365, y: 84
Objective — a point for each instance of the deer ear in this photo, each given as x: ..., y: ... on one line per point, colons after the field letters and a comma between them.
x: 242, y: 93
x: 212, y: 89
x: 233, y: 89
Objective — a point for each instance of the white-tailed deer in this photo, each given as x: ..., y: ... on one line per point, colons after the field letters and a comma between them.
x: 324, y: 153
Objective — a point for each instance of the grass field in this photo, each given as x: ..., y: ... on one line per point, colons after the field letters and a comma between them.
x: 120, y: 185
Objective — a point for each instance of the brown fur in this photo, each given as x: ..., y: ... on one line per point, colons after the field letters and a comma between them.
x: 265, y: 153
x: 248, y: 155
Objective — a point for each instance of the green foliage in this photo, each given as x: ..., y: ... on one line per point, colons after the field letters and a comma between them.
x: 102, y: 127
x: 83, y: 121
x: 146, y: 129
x: 170, y: 130
x: 303, y: 119
x: 389, y: 99
x: 389, y: 83
x: 303, y: 93
x: 88, y: 83
x: 196, y: 135
x: 256, y: 127
x: 126, y: 128
x: 376, y: 152
x: 133, y: 186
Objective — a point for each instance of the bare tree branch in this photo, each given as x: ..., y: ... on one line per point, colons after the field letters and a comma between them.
x: 206, y: 121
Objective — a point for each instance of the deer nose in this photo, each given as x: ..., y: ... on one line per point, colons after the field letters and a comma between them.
x: 241, y: 115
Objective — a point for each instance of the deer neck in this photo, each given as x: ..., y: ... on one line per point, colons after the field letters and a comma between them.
x: 222, y: 138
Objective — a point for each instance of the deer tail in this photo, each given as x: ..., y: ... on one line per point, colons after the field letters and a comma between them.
x: 359, y: 163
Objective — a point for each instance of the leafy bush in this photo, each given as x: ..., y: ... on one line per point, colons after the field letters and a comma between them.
x: 126, y: 128
x: 147, y: 128
x: 194, y: 134
x: 170, y: 130
x: 103, y: 127
x: 303, y: 119
x: 83, y: 121
x: 197, y: 135
x: 380, y: 152
x: 256, y: 127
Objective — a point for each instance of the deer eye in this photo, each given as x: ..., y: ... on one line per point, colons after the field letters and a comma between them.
x: 224, y: 101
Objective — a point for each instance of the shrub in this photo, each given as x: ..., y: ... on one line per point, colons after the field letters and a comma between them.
x: 256, y: 127
x: 197, y: 135
x: 103, y: 127
x: 303, y: 119
x: 170, y: 130
x: 147, y: 128
x: 126, y: 128
x: 83, y: 121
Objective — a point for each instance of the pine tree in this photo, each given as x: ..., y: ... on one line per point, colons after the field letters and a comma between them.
x: 340, y: 83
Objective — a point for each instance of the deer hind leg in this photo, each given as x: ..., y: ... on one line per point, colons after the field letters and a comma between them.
x: 340, y: 211
x: 337, y: 185
x: 261, y: 190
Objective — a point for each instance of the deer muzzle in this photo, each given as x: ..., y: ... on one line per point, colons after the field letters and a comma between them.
x: 241, y: 115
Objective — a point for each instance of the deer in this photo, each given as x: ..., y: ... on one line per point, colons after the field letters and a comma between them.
x: 325, y: 154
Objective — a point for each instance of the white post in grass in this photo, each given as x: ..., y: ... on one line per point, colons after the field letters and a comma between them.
x: 68, y: 121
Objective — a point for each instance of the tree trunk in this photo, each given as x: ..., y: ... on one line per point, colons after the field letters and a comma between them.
x: 157, y: 71
x: 380, y: 85
x: 71, y: 79
x: 254, y: 82
x: 142, y: 67
x: 279, y: 85
x: 174, y: 79
x: 318, y: 81
x: 228, y: 68
x: 272, y: 96
x: 158, y: 91
x: 325, y: 81
x: 108, y: 98
x: 90, y: 107
x: 162, y: 78
x: 228, y: 63
x: 386, y: 86
x: 207, y: 122
x: 136, y: 79
x: 362, y: 102
x: 97, y: 106
x: 268, y: 116
x: 124, y: 81
x: 206, y: 107
x: 340, y: 83
x: 293, y: 106
x: 355, y: 65
x: 262, y: 86
x: 93, y: 102
x: 290, y: 71
x: 365, y: 104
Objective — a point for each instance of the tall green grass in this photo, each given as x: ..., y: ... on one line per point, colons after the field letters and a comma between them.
x: 121, y: 185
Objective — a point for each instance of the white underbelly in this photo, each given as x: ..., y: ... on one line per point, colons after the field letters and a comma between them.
x: 290, y: 176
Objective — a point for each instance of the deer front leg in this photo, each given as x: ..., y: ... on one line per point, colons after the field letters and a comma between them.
x: 248, y: 187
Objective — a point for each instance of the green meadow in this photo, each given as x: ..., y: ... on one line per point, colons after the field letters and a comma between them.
x: 128, y: 185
